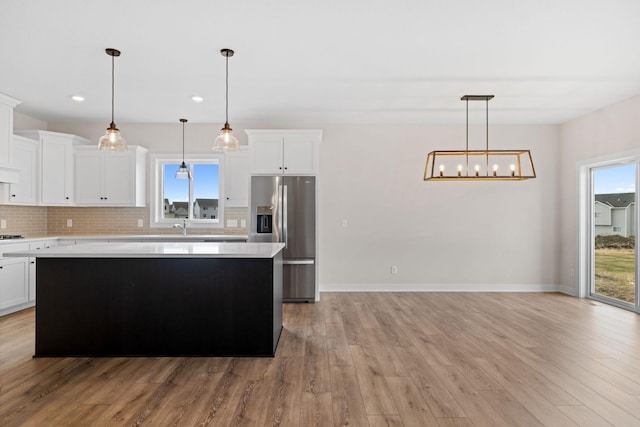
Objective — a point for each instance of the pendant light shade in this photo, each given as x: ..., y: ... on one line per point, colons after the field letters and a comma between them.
x: 225, y: 140
x: 183, y: 172
x: 112, y: 140
x: 479, y: 165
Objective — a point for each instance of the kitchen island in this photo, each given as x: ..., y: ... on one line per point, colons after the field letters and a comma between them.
x: 158, y: 299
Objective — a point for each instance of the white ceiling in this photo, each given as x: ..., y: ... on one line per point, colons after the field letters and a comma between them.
x: 319, y: 61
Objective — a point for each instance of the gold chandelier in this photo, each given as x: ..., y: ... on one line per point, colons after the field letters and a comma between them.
x: 479, y: 165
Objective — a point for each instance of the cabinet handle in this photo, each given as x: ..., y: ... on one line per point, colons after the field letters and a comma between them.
x: 1, y: 267
x: 285, y: 168
x: 280, y: 168
x: 67, y: 198
x: 33, y: 262
x: 13, y: 195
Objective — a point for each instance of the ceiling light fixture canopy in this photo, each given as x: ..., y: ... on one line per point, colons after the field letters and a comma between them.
x: 183, y: 172
x: 112, y: 140
x: 479, y: 165
x: 225, y: 140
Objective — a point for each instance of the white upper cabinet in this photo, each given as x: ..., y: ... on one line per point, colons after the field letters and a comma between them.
x: 56, y: 160
x: 284, y: 151
x: 8, y: 171
x: 236, y: 178
x: 110, y: 178
x: 26, y: 157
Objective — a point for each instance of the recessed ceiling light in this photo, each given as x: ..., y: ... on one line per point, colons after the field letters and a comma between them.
x: 197, y: 98
x: 77, y: 98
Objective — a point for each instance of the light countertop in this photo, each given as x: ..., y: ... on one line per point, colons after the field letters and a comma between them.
x: 164, y: 237
x: 138, y: 237
x: 156, y: 250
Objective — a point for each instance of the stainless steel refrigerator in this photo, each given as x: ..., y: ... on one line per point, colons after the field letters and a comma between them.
x: 283, y: 209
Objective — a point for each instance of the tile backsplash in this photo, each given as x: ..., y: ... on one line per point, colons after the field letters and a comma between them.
x: 29, y: 221
x: 35, y: 221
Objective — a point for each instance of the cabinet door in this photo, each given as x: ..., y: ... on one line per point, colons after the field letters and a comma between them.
x: 119, y: 178
x: 32, y: 279
x: 6, y: 133
x: 266, y: 155
x: 57, y: 171
x: 14, y: 286
x: 25, y: 157
x: 88, y: 177
x: 300, y: 156
x: 236, y: 179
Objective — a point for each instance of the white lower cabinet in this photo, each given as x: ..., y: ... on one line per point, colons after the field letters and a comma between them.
x: 14, y: 289
x: 18, y: 276
x: 44, y: 244
x: 14, y: 280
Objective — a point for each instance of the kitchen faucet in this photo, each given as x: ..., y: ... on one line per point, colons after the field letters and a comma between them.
x: 182, y: 226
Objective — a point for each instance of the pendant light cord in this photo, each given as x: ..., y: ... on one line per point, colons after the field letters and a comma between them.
x: 467, y: 153
x: 183, y: 121
x: 487, y: 126
x: 112, y: 87
x: 227, y: 90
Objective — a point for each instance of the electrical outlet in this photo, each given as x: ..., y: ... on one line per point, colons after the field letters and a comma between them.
x: 345, y: 223
x: 69, y: 223
x: 394, y: 269
x: 3, y: 223
x: 140, y: 223
x: 243, y: 223
x: 232, y: 223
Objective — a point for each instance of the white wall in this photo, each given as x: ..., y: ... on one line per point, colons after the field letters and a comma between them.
x: 441, y: 235
x: 447, y: 235
x: 610, y: 130
x: 24, y: 122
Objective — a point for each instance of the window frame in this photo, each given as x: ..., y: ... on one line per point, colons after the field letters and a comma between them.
x: 156, y: 201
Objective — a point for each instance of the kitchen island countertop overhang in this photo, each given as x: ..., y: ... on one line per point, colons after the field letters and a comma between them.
x: 158, y: 299
x: 156, y: 250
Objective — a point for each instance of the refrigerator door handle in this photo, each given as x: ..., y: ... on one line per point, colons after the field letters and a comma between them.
x: 299, y: 262
x: 285, y: 233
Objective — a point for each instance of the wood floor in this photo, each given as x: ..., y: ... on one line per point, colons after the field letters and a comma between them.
x: 358, y: 359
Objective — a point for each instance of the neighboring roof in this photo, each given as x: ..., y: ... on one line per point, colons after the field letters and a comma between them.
x: 616, y: 200
x: 209, y: 203
x: 181, y: 205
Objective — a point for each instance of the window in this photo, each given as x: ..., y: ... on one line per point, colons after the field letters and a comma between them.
x: 617, y: 229
x: 199, y: 200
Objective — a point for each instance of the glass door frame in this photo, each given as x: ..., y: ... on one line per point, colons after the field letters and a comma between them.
x: 586, y: 238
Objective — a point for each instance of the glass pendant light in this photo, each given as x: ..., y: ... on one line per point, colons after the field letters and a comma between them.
x: 112, y: 140
x: 225, y: 140
x: 183, y: 172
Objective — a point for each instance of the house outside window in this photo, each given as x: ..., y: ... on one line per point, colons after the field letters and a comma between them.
x: 199, y: 201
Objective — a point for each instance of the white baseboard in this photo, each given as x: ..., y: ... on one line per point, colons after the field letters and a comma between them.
x: 569, y: 291
x: 431, y: 287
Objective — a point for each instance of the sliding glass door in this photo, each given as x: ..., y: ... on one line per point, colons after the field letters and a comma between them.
x: 614, y: 222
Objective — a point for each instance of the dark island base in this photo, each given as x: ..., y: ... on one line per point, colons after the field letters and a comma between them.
x: 158, y: 306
